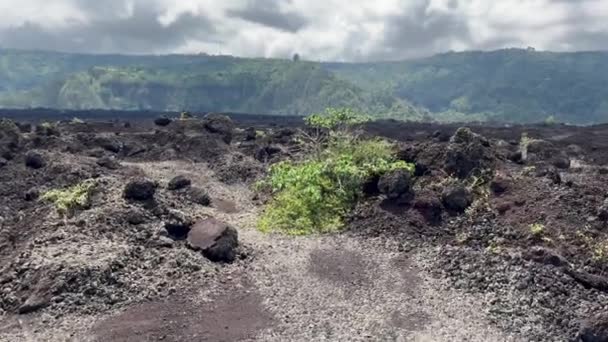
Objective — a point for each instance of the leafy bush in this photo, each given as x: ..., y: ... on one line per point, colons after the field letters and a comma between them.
x: 71, y: 199
x: 314, y: 194
x: 334, y: 118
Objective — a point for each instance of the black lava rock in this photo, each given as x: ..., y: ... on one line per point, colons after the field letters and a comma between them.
x: 179, y: 182
x: 34, y: 160
x: 140, y: 190
x: 162, y: 121
x: 457, y: 198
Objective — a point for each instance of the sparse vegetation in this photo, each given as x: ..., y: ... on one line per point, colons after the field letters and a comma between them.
x: 537, y: 229
x: 67, y: 201
x: 314, y: 194
x: 77, y: 121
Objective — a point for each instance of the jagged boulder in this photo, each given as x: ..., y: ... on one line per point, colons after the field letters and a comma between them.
x: 469, y: 153
x: 220, y: 124
x: 250, y: 134
x: 215, y: 239
x: 396, y: 185
x: 456, y: 198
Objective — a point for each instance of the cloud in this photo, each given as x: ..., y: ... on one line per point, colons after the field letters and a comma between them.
x: 269, y: 13
x: 348, y: 30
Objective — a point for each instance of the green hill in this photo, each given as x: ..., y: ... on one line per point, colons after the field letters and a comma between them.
x: 506, y: 85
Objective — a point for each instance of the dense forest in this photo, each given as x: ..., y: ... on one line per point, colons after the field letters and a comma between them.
x: 507, y: 85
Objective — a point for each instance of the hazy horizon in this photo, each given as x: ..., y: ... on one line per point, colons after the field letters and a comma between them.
x: 330, y: 30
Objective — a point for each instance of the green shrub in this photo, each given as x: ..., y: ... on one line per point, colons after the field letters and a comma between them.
x: 314, y: 194
x: 334, y: 118
x: 71, y: 199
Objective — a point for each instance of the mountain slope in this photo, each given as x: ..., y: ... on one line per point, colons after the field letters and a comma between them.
x: 506, y: 85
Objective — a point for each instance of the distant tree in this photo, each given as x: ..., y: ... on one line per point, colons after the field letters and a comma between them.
x: 296, y: 57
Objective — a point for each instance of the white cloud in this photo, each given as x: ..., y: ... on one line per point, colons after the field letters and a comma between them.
x: 317, y: 29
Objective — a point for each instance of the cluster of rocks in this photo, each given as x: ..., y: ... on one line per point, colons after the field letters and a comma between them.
x: 216, y: 240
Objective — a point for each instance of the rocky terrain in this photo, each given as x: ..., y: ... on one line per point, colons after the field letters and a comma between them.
x: 500, y: 235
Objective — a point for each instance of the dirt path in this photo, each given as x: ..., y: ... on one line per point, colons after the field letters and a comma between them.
x: 319, y: 288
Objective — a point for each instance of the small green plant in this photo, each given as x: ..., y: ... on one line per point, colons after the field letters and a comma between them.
x: 600, y: 251
x: 185, y: 116
x: 67, y: 201
x: 550, y: 120
x: 537, y: 229
x: 314, y: 194
x: 77, y: 121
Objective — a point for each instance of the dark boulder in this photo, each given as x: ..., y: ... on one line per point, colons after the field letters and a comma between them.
x: 108, y: 163
x: 177, y: 225
x: 467, y: 153
x: 34, y: 160
x: 456, y: 198
x: 109, y: 144
x: 10, y: 137
x: 396, y: 185
x: 500, y: 184
x: 162, y: 121
x: 31, y: 195
x: 179, y: 182
x: 370, y: 186
x: 595, y: 329
x: 140, y: 190
x: 516, y: 157
x: 250, y: 134
x: 220, y: 124
x: 266, y: 153
x: 550, y: 172
x: 24, y: 127
x: 215, y: 239
x: 199, y: 196
x: 561, y: 162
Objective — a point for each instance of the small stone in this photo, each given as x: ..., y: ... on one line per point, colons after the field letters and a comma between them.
x: 199, y: 196
x: 31, y: 195
x: 34, y: 160
x: 135, y: 217
x: 179, y: 182
x: 108, y: 163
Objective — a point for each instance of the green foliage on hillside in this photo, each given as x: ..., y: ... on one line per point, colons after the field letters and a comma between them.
x: 506, y: 85
x: 314, y: 194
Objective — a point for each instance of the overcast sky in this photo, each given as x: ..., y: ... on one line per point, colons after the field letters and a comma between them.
x: 341, y: 30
